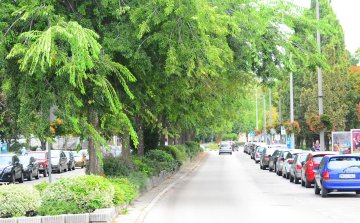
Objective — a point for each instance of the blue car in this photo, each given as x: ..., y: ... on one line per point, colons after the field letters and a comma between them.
x: 338, y: 173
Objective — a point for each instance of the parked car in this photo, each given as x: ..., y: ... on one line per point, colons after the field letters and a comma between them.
x: 80, y: 159
x: 295, y: 168
x: 280, y: 160
x: 11, y: 169
x: 58, y: 161
x: 85, y: 151
x: 233, y: 146
x: 289, y: 160
x: 225, y: 147
x: 71, y: 160
x: 41, y: 158
x: 252, y: 152
x: 30, y: 167
x: 250, y: 148
x: 265, y: 156
x: 311, y: 165
x: 274, y: 158
x: 338, y: 172
x: 245, y: 147
x: 258, y: 151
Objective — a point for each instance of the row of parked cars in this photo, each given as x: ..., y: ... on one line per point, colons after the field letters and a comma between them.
x: 327, y: 171
x: 17, y: 168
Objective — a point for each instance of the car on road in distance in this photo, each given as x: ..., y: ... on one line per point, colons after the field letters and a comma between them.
x: 274, y: 158
x: 41, y: 158
x: 295, y: 168
x: 30, y: 167
x: 11, y: 169
x: 59, y: 161
x: 258, y: 151
x: 289, y: 160
x: 338, y: 173
x: 225, y: 147
x: 86, y: 152
x: 232, y: 144
x: 311, y: 165
x: 80, y: 159
x: 265, y: 156
x: 71, y: 160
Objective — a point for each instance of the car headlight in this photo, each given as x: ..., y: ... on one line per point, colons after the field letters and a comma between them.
x: 7, y: 170
x: 41, y: 166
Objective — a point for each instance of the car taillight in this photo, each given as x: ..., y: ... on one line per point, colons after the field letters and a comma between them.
x: 230, y: 148
x: 282, y: 159
x: 257, y: 154
x: 267, y: 156
x: 290, y: 161
x: 219, y: 147
x: 326, y: 175
x: 298, y: 167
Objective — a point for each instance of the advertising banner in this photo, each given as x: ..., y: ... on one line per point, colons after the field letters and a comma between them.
x: 341, y: 142
x: 355, y: 140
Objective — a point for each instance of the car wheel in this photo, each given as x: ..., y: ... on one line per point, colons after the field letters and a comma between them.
x: 30, y: 177
x: 287, y: 175
x: 307, y: 183
x: 45, y: 173
x: 283, y: 175
x: 302, y: 183
x: 270, y: 170
x: 316, y: 189
x: 37, y: 175
x: 260, y: 166
x: 82, y: 166
x: 231, y: 153
x: 73, y: 168
x: 324, y: 191
x: 21, y: 180
x: 65, y: 170
x: 291, y: 179
x: 358, y: 192
x: 12, y: 181
x: 296, y: 180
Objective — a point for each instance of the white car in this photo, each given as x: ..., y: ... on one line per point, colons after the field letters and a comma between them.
x: 225, y: 147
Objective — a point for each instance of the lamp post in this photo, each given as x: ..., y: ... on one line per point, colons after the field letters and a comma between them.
x: 320, y: 90
x: 270, y: 123
x: 292, y: 106
x: 256, y: 101
x: 265, y: 136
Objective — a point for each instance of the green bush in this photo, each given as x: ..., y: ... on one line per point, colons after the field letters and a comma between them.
x: 193, y: 148
x: 58, y: 208
x: 160, y: 160
x: 142, y: 165
x: 174, y: 152
x: 197, y: 139
x: 124, y: 190
x: 18, y: 200
x: 41, y: 186
x: 88, y: 192
x: 231, y: 136
x: 119, y: 166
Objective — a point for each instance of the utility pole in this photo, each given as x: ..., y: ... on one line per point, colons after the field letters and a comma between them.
x: 320, y: 90
x: 270, y: 115
x: 292, y: 106
x: 264, y: 111
x: 257, y: 121
x: 280, y: 119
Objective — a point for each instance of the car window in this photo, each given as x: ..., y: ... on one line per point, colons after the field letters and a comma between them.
x: 260, y: 149
x: 55, y: 154
x: 37, y: 155
x: 224, y: 144
x: 284, y: 154
x: 322, y: 163
x: 270, y: 151
x: 317, y: 159
x: 303, y: 158
x: 308, y: 157
x: 343, y: 162
x: 24, y: 160
x: 6, y: 160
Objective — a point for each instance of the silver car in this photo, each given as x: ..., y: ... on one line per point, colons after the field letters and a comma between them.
x: 225, y: 147
x: 289, y: 159
x: 265, y: 156
x: 258, y: 152
x: 280, y: 161
x: 295, y: 169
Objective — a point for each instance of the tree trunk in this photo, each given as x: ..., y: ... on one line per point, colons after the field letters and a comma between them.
x: 95, y: 166
x: 140, y: 133
x: 219, y: 138
x: 188, y: 135
x: 298, y: 139
x: 175, y: 139
x: 126, y: 143
x: 27, y: 145
x: 43, y: 145
x: 163, y: 128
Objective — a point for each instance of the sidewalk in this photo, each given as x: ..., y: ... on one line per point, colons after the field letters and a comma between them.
x: 141, y: 206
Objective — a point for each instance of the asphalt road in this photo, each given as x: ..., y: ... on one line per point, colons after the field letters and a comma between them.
x: 234, y: 189
x: 54, y: 176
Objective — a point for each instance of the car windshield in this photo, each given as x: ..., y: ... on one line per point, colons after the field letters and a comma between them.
x: 223, y: 144
x: 284, y: 154
x: 317, y: 159
x: 24, y: 160
x: 38, y: 155
x: 302, y: 158
x: 260, y: 150
x: 67, y: 154
x: 5, y: 160
x: 343, y: 162
x: 77, y: 154
x: 270, y: 150
x: 55, y: 154
x: 293, y: 156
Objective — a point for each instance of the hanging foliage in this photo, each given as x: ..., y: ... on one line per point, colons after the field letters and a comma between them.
x: 292, y: 127
x: 316, y: 123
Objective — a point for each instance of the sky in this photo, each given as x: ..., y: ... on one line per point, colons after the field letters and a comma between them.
x: 347, y: 12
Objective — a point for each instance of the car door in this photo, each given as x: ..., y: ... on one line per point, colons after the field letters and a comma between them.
x: 33, y: 167
x: 293, y: 166
x: 304, y: 167
x: 17, y: 167
x: 318, y: 174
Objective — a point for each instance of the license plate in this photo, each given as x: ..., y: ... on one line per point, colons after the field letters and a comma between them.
x: 346, y: 176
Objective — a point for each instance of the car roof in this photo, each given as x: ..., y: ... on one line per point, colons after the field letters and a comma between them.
x: 324, y: 153
x: 37, y: 152
x: 8, y: 154
x: 344, y: 155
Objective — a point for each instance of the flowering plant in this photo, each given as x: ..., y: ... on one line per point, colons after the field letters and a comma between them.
x: 277, y: 128
x: 292, y: 127
x: 323, y: 121
x: 268, y: 129
x: 257, y: 132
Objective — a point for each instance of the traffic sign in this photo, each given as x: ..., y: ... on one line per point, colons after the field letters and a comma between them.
x: 273, y: 131
x: 283, y: 130
x: 288, y: 142
x: 3, y: 148
x: 268, y: 136
x: 252, y: 133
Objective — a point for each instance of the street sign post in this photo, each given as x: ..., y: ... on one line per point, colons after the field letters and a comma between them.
x: 252, y: 133
x: 288, y: 142
x: 283, y: 130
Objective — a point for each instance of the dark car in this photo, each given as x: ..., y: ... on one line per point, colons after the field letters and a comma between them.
x: 11, y: 169
x: 59, y: 161
x: 71, y: 160
x: 265, y: 156
x: 30, y: 167
x: 41, y: 158
x: 273, y: 159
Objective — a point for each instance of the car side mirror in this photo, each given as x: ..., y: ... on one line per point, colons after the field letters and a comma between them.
x: 16, y: 163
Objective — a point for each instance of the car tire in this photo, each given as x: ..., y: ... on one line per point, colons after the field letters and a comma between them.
x: 296, y: 180
x: 302, y: 183
x: 270, y: 170
x: 12, y: 181
x: 287, y: 175
x: 73, y: 168
x: 45, y: 173
x: 357, y: 192
x: 231, y: 153
x: 30, y: 177
x: 283, y: 175
x: 324, y: 191
x: 316, y: 189
x: 82, y: 166
x: 21, y: 180
x: 37, y: 175
x: 260, y: 166
x: 291, y: 179
x: 307, y: 183
x: 66, y: 169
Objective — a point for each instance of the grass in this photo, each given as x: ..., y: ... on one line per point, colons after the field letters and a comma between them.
x: 211, y: 146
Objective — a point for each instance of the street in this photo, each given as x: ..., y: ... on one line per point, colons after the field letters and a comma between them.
x: 54, y: 176
x: 229, y: 188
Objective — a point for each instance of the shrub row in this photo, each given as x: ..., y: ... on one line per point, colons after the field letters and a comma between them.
x: 231, y: 136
